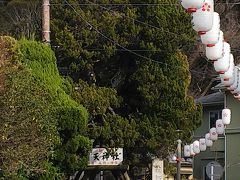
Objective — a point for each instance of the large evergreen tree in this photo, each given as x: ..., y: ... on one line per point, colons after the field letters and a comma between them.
x: 136, y: 51
x: 137, y: 77
x: 159, y: 102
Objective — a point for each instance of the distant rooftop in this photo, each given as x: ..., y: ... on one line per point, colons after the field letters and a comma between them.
x: 211, y: 99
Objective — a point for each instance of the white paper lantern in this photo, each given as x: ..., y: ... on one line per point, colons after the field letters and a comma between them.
x: 216, y: 52
x: 236, y: 77
x: 196, y: 149
x: 237, y: 96
x: 237, y: 89
x: 230, y: 82
x: 209, y: 142
x: 187, y: 151
x: 226, y: 116
x: 220, y: 126
x: 213, y: 134
x: 202, y: 144
x: 191, y: 150
x: 202, y: 19
x: 191, y: 6
x: 229, y: 73
x: 211, y: 37
x: 223, y: 64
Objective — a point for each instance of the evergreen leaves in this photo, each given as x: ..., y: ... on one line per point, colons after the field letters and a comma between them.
x: 38, y: 118
x: 129, y: 88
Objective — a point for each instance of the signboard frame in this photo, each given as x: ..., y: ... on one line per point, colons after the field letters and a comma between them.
x: 106, y: 156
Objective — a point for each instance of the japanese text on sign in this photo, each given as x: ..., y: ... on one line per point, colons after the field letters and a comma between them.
x: 106, y: 156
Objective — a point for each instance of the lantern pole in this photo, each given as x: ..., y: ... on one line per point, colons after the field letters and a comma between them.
x: 179, y: 155
x: 179, y: 158
x: 225, y: 100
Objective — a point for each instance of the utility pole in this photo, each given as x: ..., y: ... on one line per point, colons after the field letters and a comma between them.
x: 46, y: 21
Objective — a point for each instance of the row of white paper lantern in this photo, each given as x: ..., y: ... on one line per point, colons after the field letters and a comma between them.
x: 201, y: 145
x: 207, y: 23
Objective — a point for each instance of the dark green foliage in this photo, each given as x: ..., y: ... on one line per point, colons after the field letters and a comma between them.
x: 135, y: 99
x: 29, y: 129
x: 76, y: 44
x: 115, y: 131
x: 107, y: 127
x: 91, y: 37
x: 91, y: 40
x: 73, y: 154
x: 160, y: 94
x: 96, y: 99
x: 71, y: 125
x: 38, y: 114
x: 119, y: 132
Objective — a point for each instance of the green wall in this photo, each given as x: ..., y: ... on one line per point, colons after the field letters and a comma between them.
x: 233, y: 140
x: 216, y: 152
x: 204, y: 128
x: 230, y: 144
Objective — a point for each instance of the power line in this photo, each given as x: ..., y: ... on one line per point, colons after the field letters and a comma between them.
x: 135, y: 20
x: 126, y: 4
x: 134, y: 4
x: 135, y: 50
x: 120, y: 4
x: 140, y: 22
x: 123, y: 48
x: 113, y: 41
x: 148, y: 50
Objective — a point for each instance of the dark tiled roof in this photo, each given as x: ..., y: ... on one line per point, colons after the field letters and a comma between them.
x: 211, y: 99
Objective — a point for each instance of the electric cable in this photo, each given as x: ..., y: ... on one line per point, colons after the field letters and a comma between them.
x: 106, y: 37
x: 135, y: 4
x: 138, y: 21
x: 123, y: 48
